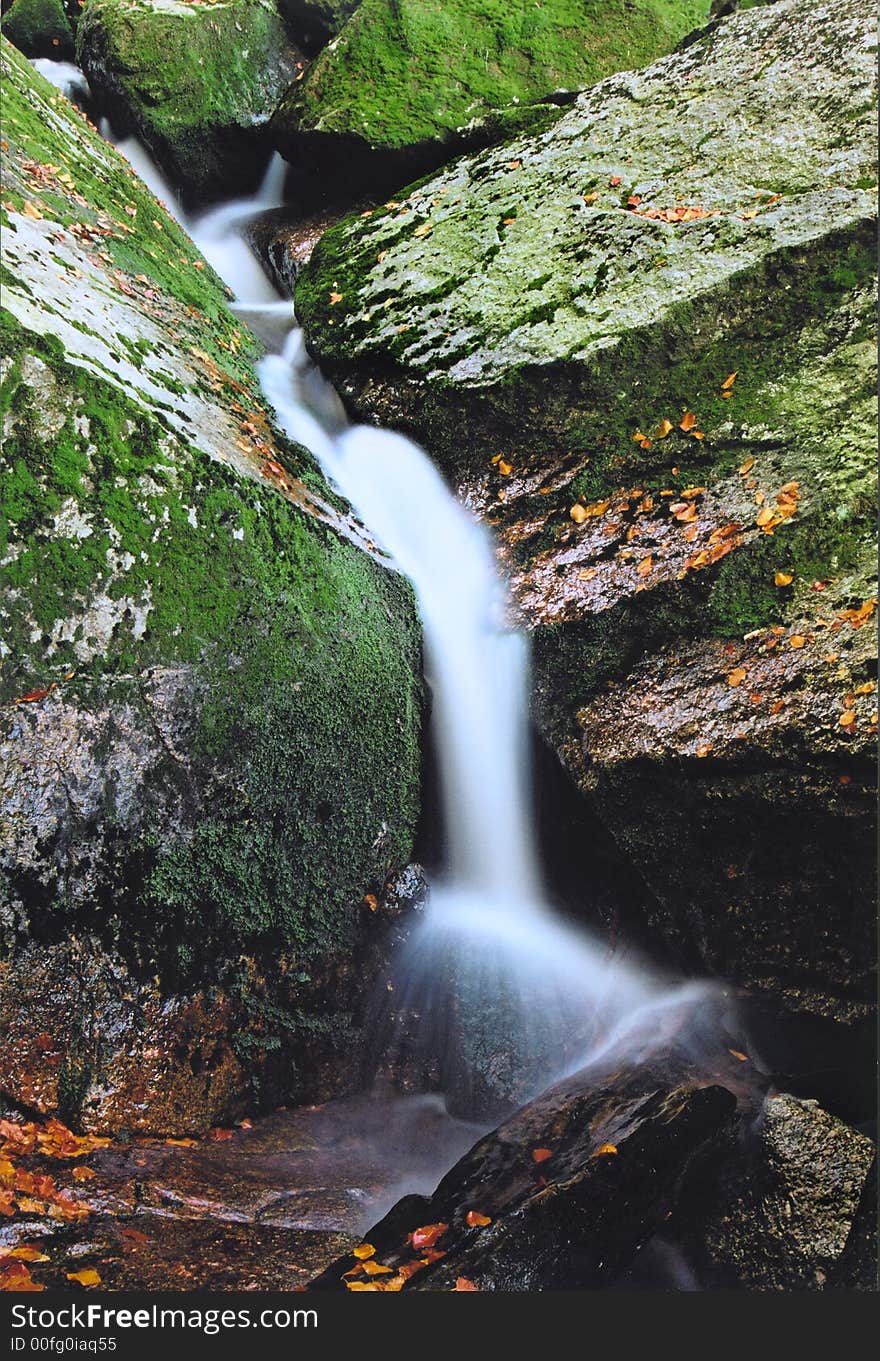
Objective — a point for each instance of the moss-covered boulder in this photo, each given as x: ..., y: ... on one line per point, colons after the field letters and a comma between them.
x: 210, y: 690
x: 39, y: 28
x: 396, y: 90
x: 643, y: 344
x: 196, y: 83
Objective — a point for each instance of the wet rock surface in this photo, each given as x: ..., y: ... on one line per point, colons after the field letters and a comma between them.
x: 786, y: 1211
x: 564, y: 1193
x: 190, y: 625
x: 679, y: 477
x: 263, y: 1206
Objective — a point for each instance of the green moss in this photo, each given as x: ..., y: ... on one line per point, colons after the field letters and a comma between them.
x: 304, y: 658
x: 39, y: 28
x: 408, y: 72
x: 196, y: 83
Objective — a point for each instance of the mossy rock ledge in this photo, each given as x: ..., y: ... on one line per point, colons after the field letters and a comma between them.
x: 196, y: 83
x: 642, y: 343
x: 406, y: 83
x: 211, y: 694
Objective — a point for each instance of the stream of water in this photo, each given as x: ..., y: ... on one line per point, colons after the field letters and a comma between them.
x: 493, y: 973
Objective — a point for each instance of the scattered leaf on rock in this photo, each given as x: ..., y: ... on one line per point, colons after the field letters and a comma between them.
x: 88, y: 1277
x: 428, y: 1235
x: 736, y: 677
x: 363, y: 1251
x: 540, y: 1155
x: 462, y: 1283
x: 783, y: 579
x: 475, y: 1220
x: 605, y: 1151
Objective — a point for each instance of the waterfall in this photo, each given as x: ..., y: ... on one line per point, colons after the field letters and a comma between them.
x: 499, y: 981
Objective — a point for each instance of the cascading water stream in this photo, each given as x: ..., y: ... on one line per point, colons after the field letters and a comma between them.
x: 490, y: 968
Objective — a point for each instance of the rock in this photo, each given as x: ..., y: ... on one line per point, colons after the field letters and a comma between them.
x: 389, y: 96
x: 785, y: 1213
x: 314, y: 22
x: 197, y: 84
x: 615, y: 1147
x: 39, y: 28
x: 642, y: 345
x: 211, y: 693
x: 856, y: 1267
x: 284, y: 241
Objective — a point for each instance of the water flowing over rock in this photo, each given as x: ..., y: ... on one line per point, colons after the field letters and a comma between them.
x: 197, y: 84
x: 211, y: 688
x: 393, y: 94
x: 564, y: 1193
x: 679, y: 472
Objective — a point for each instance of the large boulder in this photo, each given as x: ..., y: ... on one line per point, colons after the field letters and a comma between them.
x: 196, y: 83
x: 39, y: 28
x: 642, y: 343
x: 392, y: 94
x: 211, y: 692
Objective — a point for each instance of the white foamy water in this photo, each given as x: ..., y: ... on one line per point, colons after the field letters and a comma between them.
x: 490, y: 963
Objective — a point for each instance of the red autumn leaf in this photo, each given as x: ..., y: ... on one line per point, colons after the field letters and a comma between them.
x: 475, y: 1220
x: 540, y: 1155
x: 220, y: 1135
x: 462, y: 1283
x: 428, y: 1235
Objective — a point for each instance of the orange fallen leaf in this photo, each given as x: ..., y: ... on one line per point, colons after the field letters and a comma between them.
x: 578, y: 514
x: 363, y: 1251
x: 540, y: 1155
x: 28, y: 1252
x: 375, y: 1269
x: 363, y: 1285
x: 645, y: 567
x: 84, y: 1173
x: 736, y: 677
x: 614, y: 181
x: 88, y: 1277
x: 371, y: 901
x: 335, y: 298
x: 425, y: 229
x: 783, y: 579
x: 663, y: 429
x: 462, y: 1283
x: 797, y: 640
x: 743, y: 1058
x: 847, y: 718
x: 704, y: 749
x: 475, y: 1220
x: 605, y: 1151
x: 687, y: 422
x: 428, y: 1235
x: 728, y: 382
x: 747, y: 467
x: 504, y: 468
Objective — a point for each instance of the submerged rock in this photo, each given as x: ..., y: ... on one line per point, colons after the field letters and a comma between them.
x: 211, y: 693
x: 391, y: 95
x: 197, y: 84
x: 787, y: 1210
x: 642, y: 343
x: 39, y: 28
